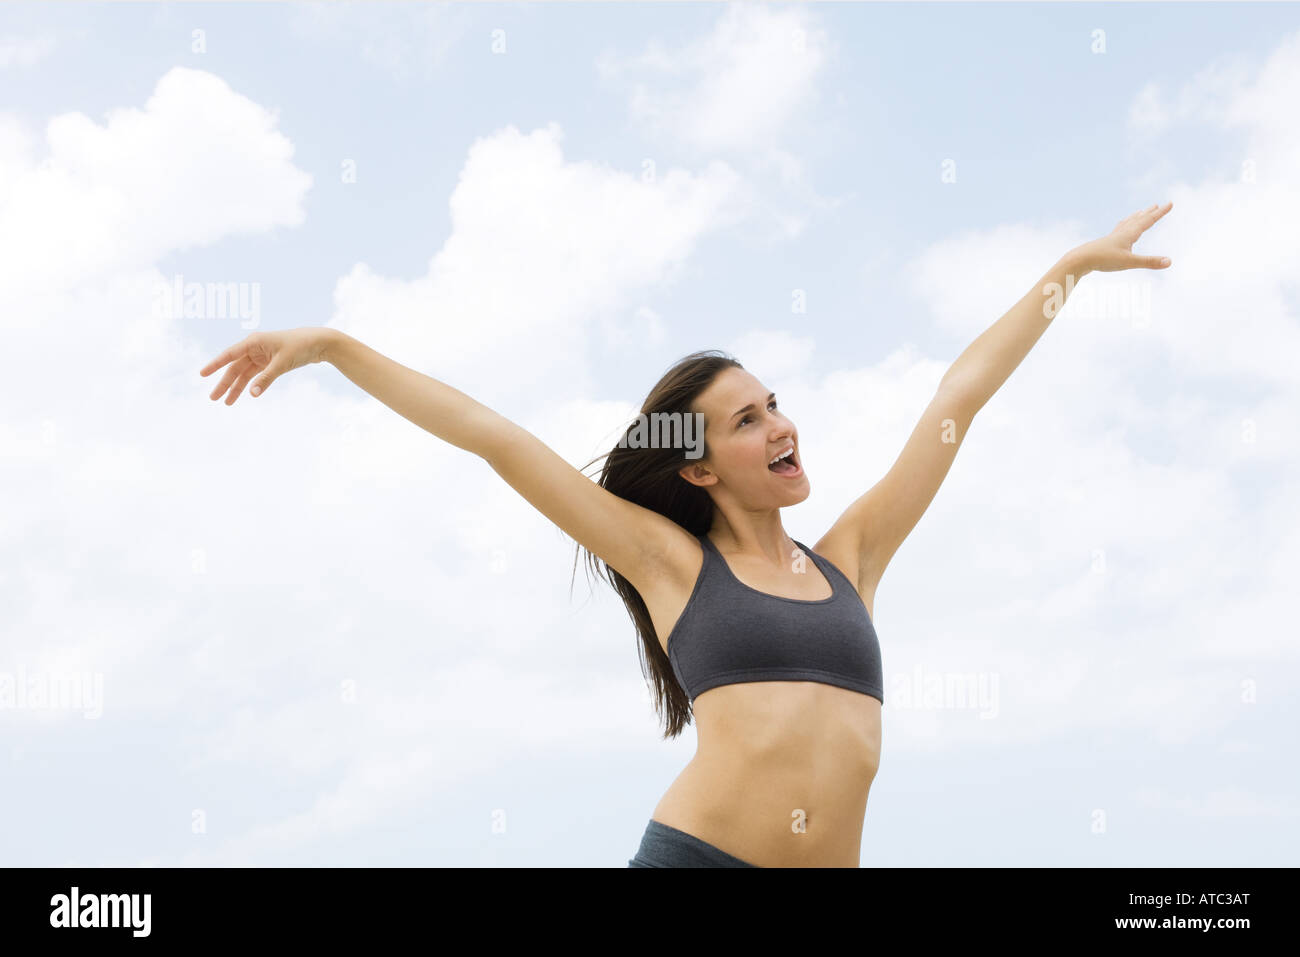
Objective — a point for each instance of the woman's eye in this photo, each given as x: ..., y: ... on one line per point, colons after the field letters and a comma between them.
x: 744, y: 419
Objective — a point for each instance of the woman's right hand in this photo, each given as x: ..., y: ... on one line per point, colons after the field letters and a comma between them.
x: 269, y: 353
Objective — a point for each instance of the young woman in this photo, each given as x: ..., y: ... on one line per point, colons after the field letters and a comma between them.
x: 774, y: 656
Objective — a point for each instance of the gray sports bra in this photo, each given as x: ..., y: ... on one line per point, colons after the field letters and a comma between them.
x: 730, y: 633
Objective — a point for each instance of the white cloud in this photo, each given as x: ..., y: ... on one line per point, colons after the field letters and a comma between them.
x: 1209, y: 96
x: 743, y: 90
x: 24, y: 51
x: 736, y: 88
x: 196, y: 163
x: 773, y: 354
x: 643, y: 328
x: 540, y: 247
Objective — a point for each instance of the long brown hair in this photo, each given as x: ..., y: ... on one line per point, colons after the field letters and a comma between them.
x: 649, y: 477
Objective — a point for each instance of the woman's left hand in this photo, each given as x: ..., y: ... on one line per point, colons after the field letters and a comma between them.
x: 1115, y: 252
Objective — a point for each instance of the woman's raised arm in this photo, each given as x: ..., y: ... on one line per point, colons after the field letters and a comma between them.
x: 876, y: 524
x: 634, y: 540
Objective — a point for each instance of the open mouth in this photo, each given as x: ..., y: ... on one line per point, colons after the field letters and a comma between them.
x: 787, y: 465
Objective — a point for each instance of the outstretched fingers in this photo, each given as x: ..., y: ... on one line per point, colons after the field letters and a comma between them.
x: 1149, y: 217
x: 239, y: 385
x: 1154, y: 214
x: 1144, y: 219
x: 234, y: 372
x: 234, y: 352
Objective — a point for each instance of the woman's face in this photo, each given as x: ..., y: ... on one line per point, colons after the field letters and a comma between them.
x: 744, y: 431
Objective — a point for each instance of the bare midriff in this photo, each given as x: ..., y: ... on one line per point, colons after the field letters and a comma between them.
x: 781, y: 773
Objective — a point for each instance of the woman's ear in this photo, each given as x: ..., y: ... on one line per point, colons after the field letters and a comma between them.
x: 697, y: 474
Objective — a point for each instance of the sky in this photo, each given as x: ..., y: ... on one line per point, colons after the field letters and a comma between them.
x: 300, y: 630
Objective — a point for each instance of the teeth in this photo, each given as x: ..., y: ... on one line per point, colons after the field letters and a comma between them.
x: 787, y: 452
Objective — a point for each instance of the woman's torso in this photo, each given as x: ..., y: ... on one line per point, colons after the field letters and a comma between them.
x: 783, y: 768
